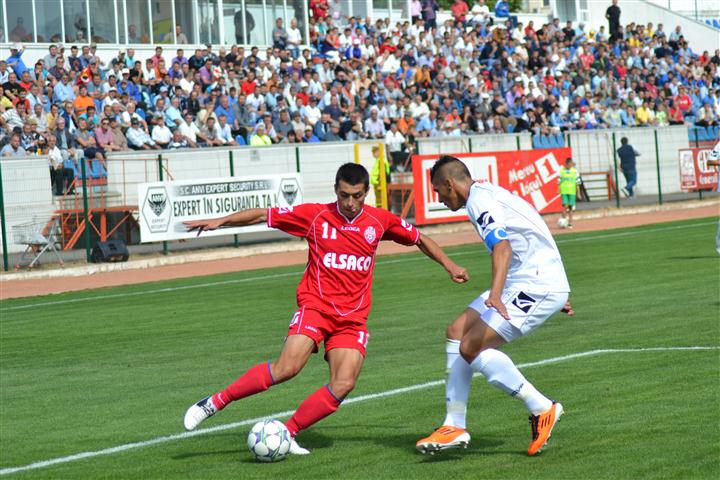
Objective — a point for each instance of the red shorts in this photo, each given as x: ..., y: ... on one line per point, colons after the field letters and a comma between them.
x: 336, y: 332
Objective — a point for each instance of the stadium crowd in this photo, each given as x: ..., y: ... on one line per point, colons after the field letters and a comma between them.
x: 478, y: 72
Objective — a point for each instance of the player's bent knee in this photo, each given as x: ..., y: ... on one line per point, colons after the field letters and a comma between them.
x: 468, y: 352
x: 342, y: 388
x: 282, y: 372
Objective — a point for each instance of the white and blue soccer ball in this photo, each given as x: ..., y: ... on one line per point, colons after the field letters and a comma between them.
x: 269, y: 441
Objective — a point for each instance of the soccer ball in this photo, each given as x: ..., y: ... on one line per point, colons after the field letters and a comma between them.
x: 563, y: 222
x: 269, y: 441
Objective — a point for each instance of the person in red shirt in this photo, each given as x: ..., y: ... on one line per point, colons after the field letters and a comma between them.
x: 683, y: 101
x: 319, y: 9
x: 459, y: 9
x: 333, y: 296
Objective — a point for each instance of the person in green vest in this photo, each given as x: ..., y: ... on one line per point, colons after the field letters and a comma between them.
x: 375, y: 174
x: 568, y: 180
x: 260, y: 138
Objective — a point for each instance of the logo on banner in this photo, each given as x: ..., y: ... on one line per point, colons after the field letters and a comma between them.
x: 155, y: 210
x: 289, y: 189
x: 370, y: 234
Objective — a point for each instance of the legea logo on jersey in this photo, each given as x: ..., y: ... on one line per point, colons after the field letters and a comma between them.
x: 345, y: 261
x: 370, y: 234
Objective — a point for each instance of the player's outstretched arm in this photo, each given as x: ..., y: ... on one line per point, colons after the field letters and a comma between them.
x: 501, y: 256
x: 428, y: 246
x: 250, y: 216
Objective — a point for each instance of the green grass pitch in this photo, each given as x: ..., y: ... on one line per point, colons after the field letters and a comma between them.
x: 79, y: 375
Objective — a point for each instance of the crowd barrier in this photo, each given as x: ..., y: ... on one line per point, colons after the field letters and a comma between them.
x: 26, y: 195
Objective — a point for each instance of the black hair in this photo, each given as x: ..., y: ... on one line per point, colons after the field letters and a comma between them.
x: 456, y: 168
x: 352, y: 174
x: 624, y: 140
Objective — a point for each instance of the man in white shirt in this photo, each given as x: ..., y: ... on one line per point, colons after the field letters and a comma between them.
x: 224, y: 132
x: 294, y: 38
x: 189, y: 130
x: 374, y: 126
x: 528, y: 286
x: 310, y: 112
x: 161, y: 134
x: 394, y: 140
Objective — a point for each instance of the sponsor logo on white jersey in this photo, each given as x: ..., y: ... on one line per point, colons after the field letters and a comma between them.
x: 370, y: 234
x: 345, y: 261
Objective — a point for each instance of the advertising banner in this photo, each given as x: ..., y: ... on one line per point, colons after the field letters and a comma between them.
x: 531, y: 174
x: 695, y: 174
x: 164, y: 206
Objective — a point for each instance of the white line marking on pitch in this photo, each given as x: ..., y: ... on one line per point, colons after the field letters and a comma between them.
x: 362, y: 398
x: 289, y: 274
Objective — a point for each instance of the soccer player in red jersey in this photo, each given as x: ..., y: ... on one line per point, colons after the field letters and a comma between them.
x: 333, y: 296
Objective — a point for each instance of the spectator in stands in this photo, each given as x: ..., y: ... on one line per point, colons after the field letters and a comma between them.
x: 161, y: 134
x: 260, y: 138
x: 309, y: 136
x: 210, y: 133
x: 279, y: 35
x: 86, y: 141
x: 105, y: 138
x: 189, y: 131
x: 61, y: 177
x: 137, y: 137
x: 13, y: 148
x: 224, y: 133
x: 613, y: 16
x: 119, y: 140
x: 177, y: 141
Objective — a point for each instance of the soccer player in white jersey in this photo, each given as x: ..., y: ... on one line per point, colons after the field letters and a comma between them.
x: 528, y: 286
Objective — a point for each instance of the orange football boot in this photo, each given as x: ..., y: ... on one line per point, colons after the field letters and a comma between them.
x: 542, y: 426
x: 443, y: 438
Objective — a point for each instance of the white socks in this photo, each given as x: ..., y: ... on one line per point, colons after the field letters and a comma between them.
x: 457, y: 385
x: 502, y: 372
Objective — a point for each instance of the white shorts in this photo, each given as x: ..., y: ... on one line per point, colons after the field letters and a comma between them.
x: 527, y: 311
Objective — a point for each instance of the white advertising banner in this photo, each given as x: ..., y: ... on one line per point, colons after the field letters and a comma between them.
x: 164, y: 206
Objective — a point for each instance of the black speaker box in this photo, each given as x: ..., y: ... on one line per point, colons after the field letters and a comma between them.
x: 110, y: 251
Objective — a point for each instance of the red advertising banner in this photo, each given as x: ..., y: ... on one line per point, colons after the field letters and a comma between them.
x: 695, y: 174
x: 531, y: 174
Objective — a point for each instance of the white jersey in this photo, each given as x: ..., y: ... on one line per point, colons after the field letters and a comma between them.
x: 497, y: 215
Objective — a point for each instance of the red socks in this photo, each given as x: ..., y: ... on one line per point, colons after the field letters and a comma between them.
x: 313, y: 409
x: 257, y: 379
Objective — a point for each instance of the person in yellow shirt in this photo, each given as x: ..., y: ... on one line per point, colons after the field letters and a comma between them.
x: 568, y: 180
x: 375, y: 174
x: 260, y: 138
x: 642, y: 115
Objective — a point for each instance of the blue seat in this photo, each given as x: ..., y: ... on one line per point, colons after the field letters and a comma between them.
x: 713, y: 132
x: 558, y: 140
x: 703, y: 134
x: 708, y: 22
x: 545, y: 142
x: 96, y: 169
x: 716, y: 23
x: 536, y: 142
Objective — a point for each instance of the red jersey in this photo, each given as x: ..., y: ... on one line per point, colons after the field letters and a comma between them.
x: 341, y: 259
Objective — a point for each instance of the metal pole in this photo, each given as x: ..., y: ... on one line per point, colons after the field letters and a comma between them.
x: 617, y: 180
x: 297, y: 159
x: 85, y: 209
x: 517, y: 141
x: 657, y: 163
x: 470, y: 144
x: 160, y: 175
x: 2, y: 223
x: 232, y: 174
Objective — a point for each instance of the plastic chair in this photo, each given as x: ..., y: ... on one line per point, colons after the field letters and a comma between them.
x: 536, y: 142
x: 559, y: 140
x: 716, y: 23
